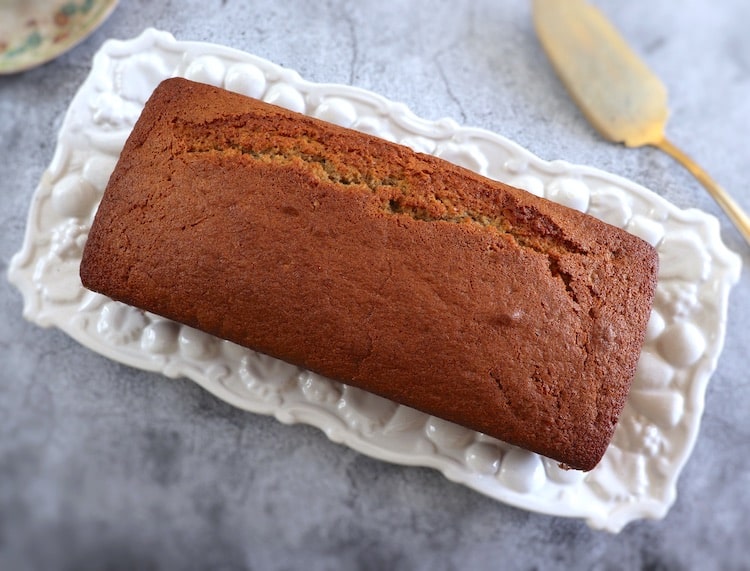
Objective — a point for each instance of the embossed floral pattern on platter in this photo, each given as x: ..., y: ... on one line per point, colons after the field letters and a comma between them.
x: 637, y: 477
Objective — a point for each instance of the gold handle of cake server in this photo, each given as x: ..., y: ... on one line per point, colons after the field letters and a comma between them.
x: 733, y: 210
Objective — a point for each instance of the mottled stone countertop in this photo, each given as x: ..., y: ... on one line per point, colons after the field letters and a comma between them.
x: 107, y: 467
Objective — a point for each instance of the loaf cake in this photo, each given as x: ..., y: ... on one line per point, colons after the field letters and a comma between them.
x: 364, y: 261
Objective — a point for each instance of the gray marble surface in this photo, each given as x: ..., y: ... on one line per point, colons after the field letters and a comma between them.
x: 106, y: 467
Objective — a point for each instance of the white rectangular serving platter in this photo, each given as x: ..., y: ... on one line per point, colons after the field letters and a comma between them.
x: 658, y: 427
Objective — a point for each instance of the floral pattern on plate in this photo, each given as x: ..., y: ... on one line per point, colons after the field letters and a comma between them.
x: 33, y: 32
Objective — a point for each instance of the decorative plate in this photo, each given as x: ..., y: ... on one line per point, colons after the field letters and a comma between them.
x: 33, y: 32
x: 659, y: 424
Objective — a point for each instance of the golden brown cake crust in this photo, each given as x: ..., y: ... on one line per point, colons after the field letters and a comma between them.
x: 364, y: 261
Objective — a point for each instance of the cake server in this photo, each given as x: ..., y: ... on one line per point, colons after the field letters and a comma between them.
x: 621, y: 97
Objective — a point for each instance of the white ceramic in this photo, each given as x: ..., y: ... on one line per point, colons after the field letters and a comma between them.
x: 636, y: 478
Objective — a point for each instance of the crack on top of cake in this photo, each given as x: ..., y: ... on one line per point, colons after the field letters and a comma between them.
x: 366, y: 323
x: 294, y: 145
